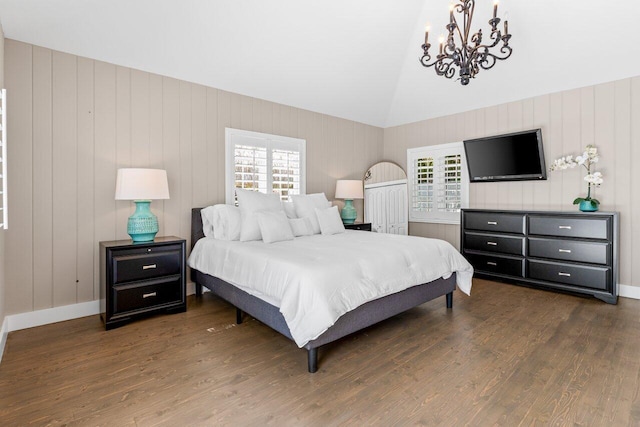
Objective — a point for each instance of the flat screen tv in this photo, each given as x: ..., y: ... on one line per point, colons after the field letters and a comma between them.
x: 512, y: 157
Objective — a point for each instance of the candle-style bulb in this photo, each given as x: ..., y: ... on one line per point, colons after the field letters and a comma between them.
x: 495, y: 8
x: 427, y: 28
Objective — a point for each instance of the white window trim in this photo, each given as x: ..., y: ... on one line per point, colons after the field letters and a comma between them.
x: 261, y: 140
x: 438, y: 217
x: 3, y: 160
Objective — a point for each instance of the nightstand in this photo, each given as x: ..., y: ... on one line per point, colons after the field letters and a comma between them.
x: 137, y: 279
x: 363, y: 226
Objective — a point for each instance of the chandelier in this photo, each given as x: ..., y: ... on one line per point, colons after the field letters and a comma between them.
x: 472, y: 55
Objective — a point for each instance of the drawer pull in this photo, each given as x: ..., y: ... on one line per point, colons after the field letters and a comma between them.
x: 564, y: 227
x: 492, y: 243
x: 149, y: 267
x: 150, y: 294
x: 564, y: 274
x: 492, y: 263
x: 492, y: 222
x: 566, y: 251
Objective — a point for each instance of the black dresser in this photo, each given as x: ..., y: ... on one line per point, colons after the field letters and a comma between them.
x: 141, y: 278
x: 568, y: 251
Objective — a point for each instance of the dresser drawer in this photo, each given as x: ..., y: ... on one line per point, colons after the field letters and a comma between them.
x: 496, y: 264
x: 569, y: 250
x: 586, y: 228
x: 501, y: 222
x: 578, y: 275
x: 139, y: 265
x: 494, y: 243
x: 138, y: 296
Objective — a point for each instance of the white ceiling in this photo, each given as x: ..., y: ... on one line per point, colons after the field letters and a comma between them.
x: 356, y: 59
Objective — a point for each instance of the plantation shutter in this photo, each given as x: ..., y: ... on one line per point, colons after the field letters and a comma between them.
x: 265, y: 163
x: 438, y: 183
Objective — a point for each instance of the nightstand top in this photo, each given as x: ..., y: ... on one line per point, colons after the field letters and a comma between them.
x: 128, y: 242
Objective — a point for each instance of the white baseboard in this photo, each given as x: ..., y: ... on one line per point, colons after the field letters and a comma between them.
x: 32, y: 319
x: 627, y: 291
x: 4, y: 332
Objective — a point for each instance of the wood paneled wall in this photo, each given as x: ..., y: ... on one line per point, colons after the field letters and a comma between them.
x: 75, y: 121
x: 607, y: 115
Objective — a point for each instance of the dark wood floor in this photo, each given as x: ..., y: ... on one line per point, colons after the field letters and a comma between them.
x: 505, y: 356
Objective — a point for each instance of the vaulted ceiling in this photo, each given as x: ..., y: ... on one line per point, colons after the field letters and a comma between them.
x: 355, y: 59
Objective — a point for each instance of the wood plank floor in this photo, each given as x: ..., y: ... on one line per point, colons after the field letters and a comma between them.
x: 506, y: 356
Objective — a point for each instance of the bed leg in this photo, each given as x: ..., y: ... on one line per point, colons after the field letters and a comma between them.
x: 238, y: 316
x: 450, y: 300
x: 312, y: 359
x: 198, y: 289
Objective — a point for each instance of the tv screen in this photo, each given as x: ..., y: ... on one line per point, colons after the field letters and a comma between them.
x: 512, y: 157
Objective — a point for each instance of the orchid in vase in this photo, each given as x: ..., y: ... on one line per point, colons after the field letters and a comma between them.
x: 586, y: 160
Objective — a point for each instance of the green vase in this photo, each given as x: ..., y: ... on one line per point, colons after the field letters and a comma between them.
x: 143, y: 224
x: 588, y: 206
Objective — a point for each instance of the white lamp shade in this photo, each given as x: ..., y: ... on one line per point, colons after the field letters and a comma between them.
x: 142, y: 184
x: 349, y: 189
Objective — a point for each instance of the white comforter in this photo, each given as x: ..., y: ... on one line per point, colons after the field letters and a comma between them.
x: 316, y: 279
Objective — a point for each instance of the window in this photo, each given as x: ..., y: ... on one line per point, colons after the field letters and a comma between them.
x: 4, y: 217
x: 438, y: 183
x: 263, y: 162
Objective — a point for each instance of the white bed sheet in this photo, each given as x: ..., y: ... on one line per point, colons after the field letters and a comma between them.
x: 314, y: 280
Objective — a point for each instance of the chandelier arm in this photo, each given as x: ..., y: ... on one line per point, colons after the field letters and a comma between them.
x: 470, y: 6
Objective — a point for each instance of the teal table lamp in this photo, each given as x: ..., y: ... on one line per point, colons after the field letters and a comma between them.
x: 349, y: 189
x: 142, y: 186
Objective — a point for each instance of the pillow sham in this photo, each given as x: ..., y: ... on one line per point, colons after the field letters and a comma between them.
x: 300, y: 226
x: 274, y: 226
x: 207, y: 215
x: 330, y: 221
x: 251, y: 202
x: 289, y: 209
x: 305, y: 207
x: 226, y: 222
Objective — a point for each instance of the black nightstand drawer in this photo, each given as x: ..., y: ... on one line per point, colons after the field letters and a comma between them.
x: 569, y: 250
x: 497, y: 264
x: 494, y: 243
x: 502, y: 222
x: 585, y: 228
x: 359, y: 226
x: 150, y: 294
x: 146, y: 264
x: 579, y: 275
x: 138, y: 279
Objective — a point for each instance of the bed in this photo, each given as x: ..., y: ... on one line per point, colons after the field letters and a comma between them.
x: 271, y: 312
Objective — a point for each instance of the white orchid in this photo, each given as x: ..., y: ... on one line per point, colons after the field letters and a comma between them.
x: 586, y: 160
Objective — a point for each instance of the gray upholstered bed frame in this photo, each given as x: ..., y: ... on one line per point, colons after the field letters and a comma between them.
x: 355, y: 320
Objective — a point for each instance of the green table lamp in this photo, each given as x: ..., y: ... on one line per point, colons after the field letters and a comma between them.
x: 142, y: 186
x: 349, y: 189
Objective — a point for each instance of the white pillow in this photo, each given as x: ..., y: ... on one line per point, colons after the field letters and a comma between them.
x: 226, y: 222
x: 330, y: 221
x: 300, y: 226
x: 289, y: 209
x: 274, y: 226
x: 306, y: 205
x: 251, y: 202
x: 207, y: 221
